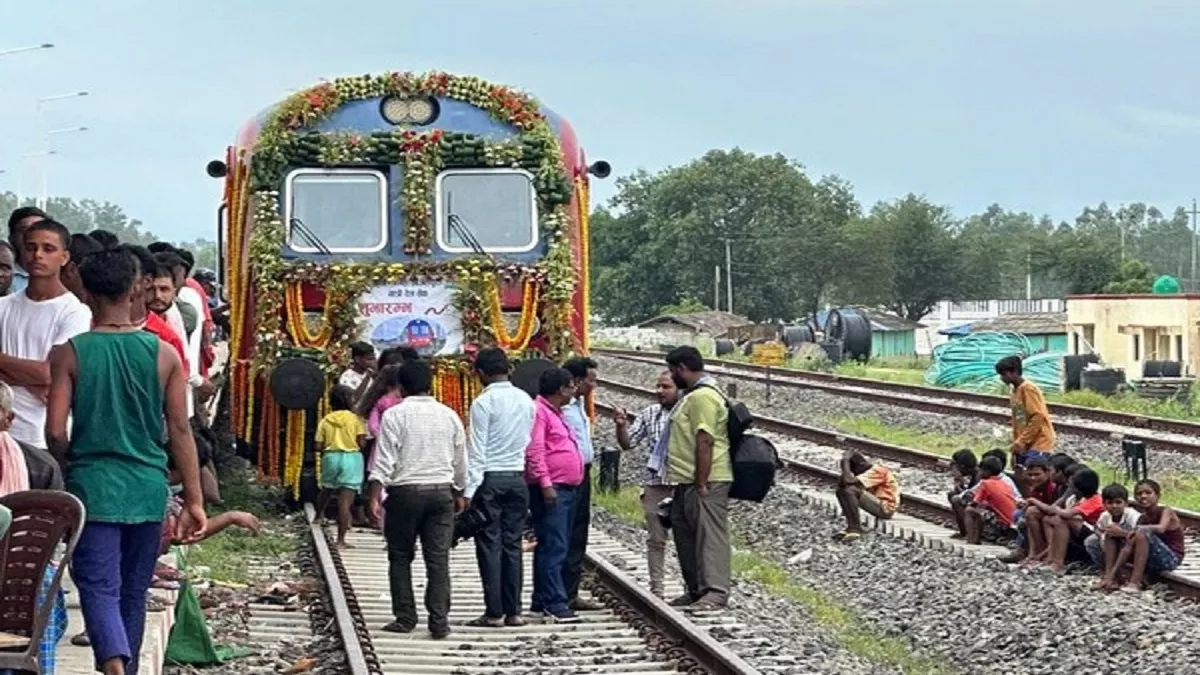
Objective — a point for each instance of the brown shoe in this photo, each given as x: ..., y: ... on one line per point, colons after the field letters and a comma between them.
x: 585, y: 605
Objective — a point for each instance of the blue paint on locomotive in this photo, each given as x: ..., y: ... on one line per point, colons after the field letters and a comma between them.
x: 364, y: 117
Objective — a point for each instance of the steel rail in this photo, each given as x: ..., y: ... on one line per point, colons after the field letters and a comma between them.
x: 837, y: 384
x: 360, y: 655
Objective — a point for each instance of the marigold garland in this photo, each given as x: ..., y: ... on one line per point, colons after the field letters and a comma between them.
x: 529, y: 301
x: 294, y: 457
x: 298, y: 326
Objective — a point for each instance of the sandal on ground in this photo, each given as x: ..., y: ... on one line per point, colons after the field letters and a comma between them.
x: 486, y: 622
x: 514, y: 621
x: 397, y: 627
x: 706, y: 605
x: 164, y: 584
x: 167, y: 573
x: 81, y: 640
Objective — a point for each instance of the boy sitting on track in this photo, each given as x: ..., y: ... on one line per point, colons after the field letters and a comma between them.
x: 964, y: 470
x: 1005, y: 477
x: 992, y: 504
x: 1114, y: 528
x: 871, y: 488
x: 1157, y: 544
x: 1042, y: 488
x: 1066, y: 527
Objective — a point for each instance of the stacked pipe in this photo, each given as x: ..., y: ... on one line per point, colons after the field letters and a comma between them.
x: 970, y: 362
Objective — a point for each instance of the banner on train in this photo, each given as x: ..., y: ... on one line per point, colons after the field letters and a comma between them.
x: 420, y: 315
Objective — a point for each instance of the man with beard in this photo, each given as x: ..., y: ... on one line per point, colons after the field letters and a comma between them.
x: 647, y: 428
x: 697, y: 461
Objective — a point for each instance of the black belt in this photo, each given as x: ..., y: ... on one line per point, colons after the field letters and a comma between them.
x: 505, y: 474
x: 434, y: 487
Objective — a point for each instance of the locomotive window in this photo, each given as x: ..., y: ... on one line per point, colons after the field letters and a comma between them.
x: 493, y: 210
x: 335, y: 210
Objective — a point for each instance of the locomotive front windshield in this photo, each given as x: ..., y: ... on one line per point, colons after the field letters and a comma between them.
x: 486, y: 210
x: 336, y: 211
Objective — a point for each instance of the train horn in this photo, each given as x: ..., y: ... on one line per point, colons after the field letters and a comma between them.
x: 217, y: 169
x: 600, y: 169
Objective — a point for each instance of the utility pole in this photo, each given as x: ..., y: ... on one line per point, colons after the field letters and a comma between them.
x: 716, y: 288
x: 729, y: 274
x: 1195, y: 214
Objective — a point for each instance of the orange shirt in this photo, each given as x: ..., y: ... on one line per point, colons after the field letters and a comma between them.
x: 995, y: 494
x: 881, y: 482
x: 1031, y: 418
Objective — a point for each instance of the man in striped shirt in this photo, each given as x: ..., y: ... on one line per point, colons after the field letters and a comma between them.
x: 649, y: 425
x: 421, y: 458
x: 501, y: 421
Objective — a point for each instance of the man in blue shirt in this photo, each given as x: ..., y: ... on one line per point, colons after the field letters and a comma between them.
x: 501, y: 420
x: 576, y: 414
x: 18, y: 222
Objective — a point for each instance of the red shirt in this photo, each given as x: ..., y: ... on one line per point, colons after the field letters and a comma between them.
x: 157, y: 325
x: 1091, y: 508
x: 1046, y: 493
x: 995, y: 494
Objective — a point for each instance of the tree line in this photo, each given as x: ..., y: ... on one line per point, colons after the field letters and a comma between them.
x: 797, y: 242
x: 85, y: 215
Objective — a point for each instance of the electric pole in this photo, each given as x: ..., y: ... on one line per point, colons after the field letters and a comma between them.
x: 717, y: 288
x: 1195, y: 213
x: 729, y: 274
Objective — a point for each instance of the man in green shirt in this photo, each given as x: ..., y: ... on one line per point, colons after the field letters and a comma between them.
x: 698, y: 463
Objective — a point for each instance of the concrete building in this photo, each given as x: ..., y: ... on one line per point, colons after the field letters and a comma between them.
x: 1128, y: 330
x: 950, y: 314
x: 1047, y: 332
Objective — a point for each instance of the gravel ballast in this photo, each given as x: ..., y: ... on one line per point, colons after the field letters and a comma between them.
x: 973, y: 615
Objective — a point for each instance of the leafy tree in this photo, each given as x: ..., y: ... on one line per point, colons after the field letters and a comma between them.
x: 908, y: 258
x: 1134, y: 276
x: 685, y: 305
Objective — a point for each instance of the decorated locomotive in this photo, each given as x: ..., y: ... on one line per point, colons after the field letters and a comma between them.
x: 437, y: 211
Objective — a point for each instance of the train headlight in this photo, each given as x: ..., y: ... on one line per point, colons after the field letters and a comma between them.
x: 409, y: 111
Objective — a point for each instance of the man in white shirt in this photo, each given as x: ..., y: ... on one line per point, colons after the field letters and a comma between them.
x: 420, y: 457
x: 501, y: 422
x: 33, y: 321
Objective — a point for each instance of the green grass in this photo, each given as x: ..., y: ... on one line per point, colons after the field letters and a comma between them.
x: 846, y: 627
x: 1128, y: 403
x: 228, y: 555
x: 939, y: 444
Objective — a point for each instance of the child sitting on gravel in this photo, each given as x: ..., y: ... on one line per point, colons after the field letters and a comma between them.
x: 1042, y: 487
x: 1065, y: 528
x: 1113, y: 529
x: 871, y: 488
x: 993, y: 503
x: 964, y: 471
x: 1157, y: 543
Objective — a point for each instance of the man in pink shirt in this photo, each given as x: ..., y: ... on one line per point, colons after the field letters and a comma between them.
x: 553, y: 471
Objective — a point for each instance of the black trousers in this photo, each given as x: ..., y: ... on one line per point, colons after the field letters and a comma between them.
x: 425, y: 512
x: 504, y: 497
x: 573, y: 571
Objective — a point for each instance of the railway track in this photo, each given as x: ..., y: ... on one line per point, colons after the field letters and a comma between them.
x: 636, y: 633
x: 1184, y: 582
x: 1071, y: 419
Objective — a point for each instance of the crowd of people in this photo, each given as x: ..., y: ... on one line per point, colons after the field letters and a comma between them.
x: 105, y: 354
x: 520, y: 463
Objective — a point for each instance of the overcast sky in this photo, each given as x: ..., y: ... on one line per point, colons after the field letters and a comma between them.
x: 1040, y: 106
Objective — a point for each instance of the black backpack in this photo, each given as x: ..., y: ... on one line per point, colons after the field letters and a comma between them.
x: 754, y: 458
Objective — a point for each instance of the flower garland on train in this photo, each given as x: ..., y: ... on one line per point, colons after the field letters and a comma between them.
x: 284, y: 142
